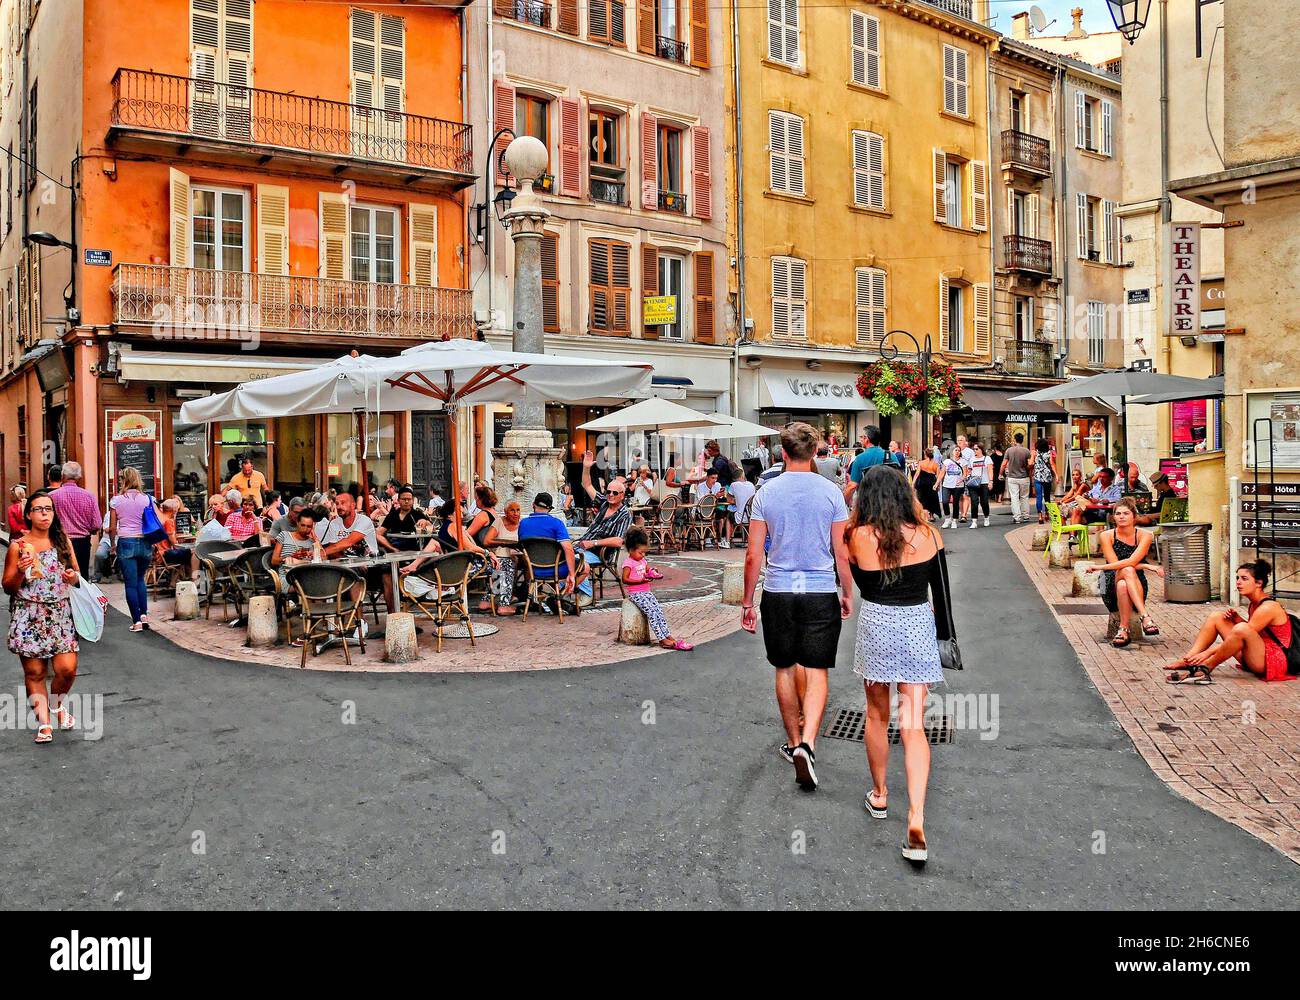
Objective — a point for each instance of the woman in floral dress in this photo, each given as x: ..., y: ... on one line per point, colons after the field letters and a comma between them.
x: 38, y: 571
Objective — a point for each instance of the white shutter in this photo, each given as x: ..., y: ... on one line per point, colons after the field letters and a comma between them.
x: 868, y: 170
x: 1081, y: 220
x: 864, y: 47
x: 963, y: 83
x: 956, y: 81
x: 1111, y: 232
x: 943, y: 313
x: 785, y: 142
x: 983, y: 304
x: 1014, y: 227
x: 869, y: 294
x: 180, y: 218
x: 1107, y: 134
x: 1031, y: 221
x: 221, y: 52
x: 940, y: 159
x: 780, y: 297
x: 798, y: 300
x: 333, y: 246
x: 1080, y: 120
x: 792, y: 32
x: 979, y: 199
x: 237, y: 50
x: 205, y: 57
x: 776, y: 145
x: 776, y: 30
x: 794, y: 143
x: 392, y: 63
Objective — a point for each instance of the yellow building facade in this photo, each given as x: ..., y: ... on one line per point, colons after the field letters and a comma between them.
x: 860, y: 179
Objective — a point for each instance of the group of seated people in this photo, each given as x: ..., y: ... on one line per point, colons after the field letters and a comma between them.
x: 1091, y: 500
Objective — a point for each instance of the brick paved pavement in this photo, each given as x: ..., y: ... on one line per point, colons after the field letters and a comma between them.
x: 690, y: 592
x: 1232, y: 747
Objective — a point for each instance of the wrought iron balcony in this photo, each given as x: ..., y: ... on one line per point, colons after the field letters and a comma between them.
x: 608, y: 192
x: 1020, y: 149
x: 536, y: 12
x: 245, y: 123
x: 189, y: 303
x: 1027, y: 357
x: 670, y: 48
x: 962, y: 8
x: 672, y: 201
x: 1023, y: 253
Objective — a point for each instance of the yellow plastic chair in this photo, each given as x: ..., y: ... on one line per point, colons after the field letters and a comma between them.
x: 1059, y: 530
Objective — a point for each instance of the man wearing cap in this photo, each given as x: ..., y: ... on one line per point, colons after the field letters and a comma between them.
x: 1164, y: 491
x: 541, y: 523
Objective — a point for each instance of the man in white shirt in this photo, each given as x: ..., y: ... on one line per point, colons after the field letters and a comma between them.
x: 708, y: 486
x: 967, y: 459
x: 741, y: 491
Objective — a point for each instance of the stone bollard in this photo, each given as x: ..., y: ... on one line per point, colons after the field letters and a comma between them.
x: 733, y: 583
x: 187, y: 600
x: 399, y: 638
x: 1041, y: 534
x: 633, y: 629
x: 263, y: 629
x: 1085, y: 584
x: 1061, y: 557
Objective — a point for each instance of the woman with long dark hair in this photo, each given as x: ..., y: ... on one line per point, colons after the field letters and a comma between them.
x: 895, y: 557
x: 1044, y: 476
x: 134, y: 554
x: 38, y: 571
x: 925, y: 480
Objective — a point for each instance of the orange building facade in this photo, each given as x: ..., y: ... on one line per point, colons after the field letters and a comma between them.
x: 252, y: 187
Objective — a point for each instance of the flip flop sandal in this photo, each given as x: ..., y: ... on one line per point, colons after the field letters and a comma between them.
x: 1121, y: 639
x: 877, y: 812
x: 1189, y: 675
x: 1152, y: 629
x: 44, y: 734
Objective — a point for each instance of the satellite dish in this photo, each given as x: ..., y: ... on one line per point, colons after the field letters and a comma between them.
x: 1037, y: 18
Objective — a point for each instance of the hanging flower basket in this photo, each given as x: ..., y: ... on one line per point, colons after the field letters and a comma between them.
x: 895, y: 387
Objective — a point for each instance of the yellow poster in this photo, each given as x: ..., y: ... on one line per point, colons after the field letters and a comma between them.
x: 659, y: 309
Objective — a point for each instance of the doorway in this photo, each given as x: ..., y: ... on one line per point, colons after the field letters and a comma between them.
x: 430, y: 453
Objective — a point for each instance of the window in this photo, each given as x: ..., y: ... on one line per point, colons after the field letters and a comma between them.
x: 956, y: 81
x: 670, y: 161
x: 672, y: 281
x: 606, y: 171
x: 869, y: 297
x: 533, y: 117
x: 605, y: 22
x: 1093, y: 124
x: 221, y: 59
x: 9, y: 190
x: 1024, y: 317
x: 610, y: 288
x: 1098, y: 229
x: 1019, y: 111
x: 536, y: 12
x: 868, y: 170
x: 1023, y: 214
x: 954, y: 318
x: 789, y: 301
x: 1096, y: 334
x: 785, y: 143
x: 373, y: 239
x: 783, y: 31
x: 864, y: 46
x: 219, y: 229
x: 952, y: 193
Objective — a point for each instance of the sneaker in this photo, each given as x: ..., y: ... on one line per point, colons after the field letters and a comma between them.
x: 787, y: 752
x: 974, y: 522
x: 804, y: 759
x: 947, y: 523
x: 986, y: 522
x: 724, y: 544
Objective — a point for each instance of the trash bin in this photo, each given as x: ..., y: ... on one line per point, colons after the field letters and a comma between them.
x: 1185, y: 555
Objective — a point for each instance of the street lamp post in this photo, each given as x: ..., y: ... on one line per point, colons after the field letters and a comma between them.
x: 889, y: 352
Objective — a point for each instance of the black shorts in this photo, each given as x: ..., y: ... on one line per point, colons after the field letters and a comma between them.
x: 801, y: 628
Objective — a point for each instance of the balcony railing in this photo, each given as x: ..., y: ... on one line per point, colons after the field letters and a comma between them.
x: 672, y: 201
x: 185, y: 303
x: 962, y: 8
x: 180, y: 106
x: 1027, y: 357
x: 526, y: 12
x: 670, y: 48
x: 1023, y: 253
x: 608, y: 192
x: 1024, y: 150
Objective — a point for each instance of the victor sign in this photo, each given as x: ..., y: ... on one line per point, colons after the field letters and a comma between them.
x: 1185, y: 280
x: 827, y: 390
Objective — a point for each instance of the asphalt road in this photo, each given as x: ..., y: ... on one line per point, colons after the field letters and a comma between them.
x: 555, y: 789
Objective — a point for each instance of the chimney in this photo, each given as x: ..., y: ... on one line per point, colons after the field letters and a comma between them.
x: 1020, y: 25
x: 1077, y: 30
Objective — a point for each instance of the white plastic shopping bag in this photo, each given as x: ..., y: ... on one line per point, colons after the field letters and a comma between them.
x: 88, y: 604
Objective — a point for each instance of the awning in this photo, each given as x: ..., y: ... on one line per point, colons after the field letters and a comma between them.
x: 826, y: 393
x: 997, y: 402
x: 165, y: 366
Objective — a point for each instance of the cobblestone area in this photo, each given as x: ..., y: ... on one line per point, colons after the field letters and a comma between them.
x: 691, y: 593
x: 1232, y: 747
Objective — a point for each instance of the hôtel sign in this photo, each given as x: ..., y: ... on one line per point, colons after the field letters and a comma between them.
x: 1185, y: 280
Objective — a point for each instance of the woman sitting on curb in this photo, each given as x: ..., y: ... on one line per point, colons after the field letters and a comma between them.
x: 1259, y: 641
x: 1124, y: 585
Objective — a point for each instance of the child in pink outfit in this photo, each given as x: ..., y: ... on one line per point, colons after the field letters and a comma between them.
x: 637, y: 575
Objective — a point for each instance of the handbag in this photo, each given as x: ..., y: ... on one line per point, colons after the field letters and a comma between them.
x: 949, y: 651
x: 151, y: 526
x: 88, y: 604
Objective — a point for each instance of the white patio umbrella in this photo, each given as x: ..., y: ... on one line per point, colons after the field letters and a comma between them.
x: 653, y: 415
x: 729, y: 428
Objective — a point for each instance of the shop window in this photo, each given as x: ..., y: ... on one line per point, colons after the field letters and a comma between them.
x: 190, y: 465
x: 240, y: 439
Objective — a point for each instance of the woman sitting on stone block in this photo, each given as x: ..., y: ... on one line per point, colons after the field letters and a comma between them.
x: 1124, y: 585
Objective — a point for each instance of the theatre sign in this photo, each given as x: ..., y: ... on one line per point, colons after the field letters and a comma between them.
x: 1185, y: 280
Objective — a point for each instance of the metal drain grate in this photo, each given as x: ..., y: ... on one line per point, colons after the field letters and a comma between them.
x: 847, y: 724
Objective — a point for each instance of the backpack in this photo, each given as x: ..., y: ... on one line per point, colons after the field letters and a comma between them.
x: 1292, y: 651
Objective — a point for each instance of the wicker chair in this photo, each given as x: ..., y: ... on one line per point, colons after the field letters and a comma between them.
x: 449, y: 572
x: 741, y: 534
x: 701, y: 524
x: 218, y: 579
x: 661, y: 530
x: 544, y: 553
x: 329, y: 611
x: 608, y: 567
x: 271, y: 583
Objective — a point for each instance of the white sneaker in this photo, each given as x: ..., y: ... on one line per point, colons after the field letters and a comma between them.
x: 974, y: 522
x: 724, y: 544
x: 986, y: 522
x: 947, y: 523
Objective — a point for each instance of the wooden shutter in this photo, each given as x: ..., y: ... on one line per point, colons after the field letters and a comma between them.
x: 571, y: 147
x: 392, y: 68
x: 422, y: 225
x: 798, y: 299
x: 780, y: 297
x: 775, y: 30
x: 1031, y: 212
x: 650, y: 285
x: 598, y: 289
x: 868, y: 170
x: 950, y: 81
x: 864, y: 48
x: 983, y: 302
x: 180, y: 219
x: 272, y: 229
x: 704, y: 328
x: 699, y: 44
x: 610, y: 286
x: 943, y: 313
x: 701, y: 172
x: 869, y: 295
x: 566, y: 16
x: 503, y: 116
x: 205, y: 60
x: 1080, y: 120
x: 940, y: 160
x: 1107, y: 128
x: 503, y: 8
x: 1081, y: 219
x: 364, y: 25
x: 649, y: 160
x: 794, y: 151
x: 1111, y: 231
x: 617, y: 24
x: 979, y: 199
x: 961, y: 63
x: 598, y: 21
x: 645, y: 26
x: 550, y: 282
x: 620, y: 267
x: 333, y: 236
x: 779, y: 174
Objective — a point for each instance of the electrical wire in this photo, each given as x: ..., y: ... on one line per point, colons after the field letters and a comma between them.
x: 15, y: 156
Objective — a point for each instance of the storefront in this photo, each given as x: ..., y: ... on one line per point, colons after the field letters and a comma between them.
x: 820, y: 392
x: 992, y: 417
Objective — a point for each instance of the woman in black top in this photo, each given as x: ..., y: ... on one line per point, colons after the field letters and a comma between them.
x: 999, y: 480
x: 895, y: 557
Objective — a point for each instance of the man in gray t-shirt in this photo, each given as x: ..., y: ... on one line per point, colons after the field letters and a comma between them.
x: 827, y: 467
x: 803, y: 514
x: 1019, y: 462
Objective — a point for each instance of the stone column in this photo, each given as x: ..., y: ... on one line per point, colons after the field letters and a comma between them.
x: 528, y: 461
